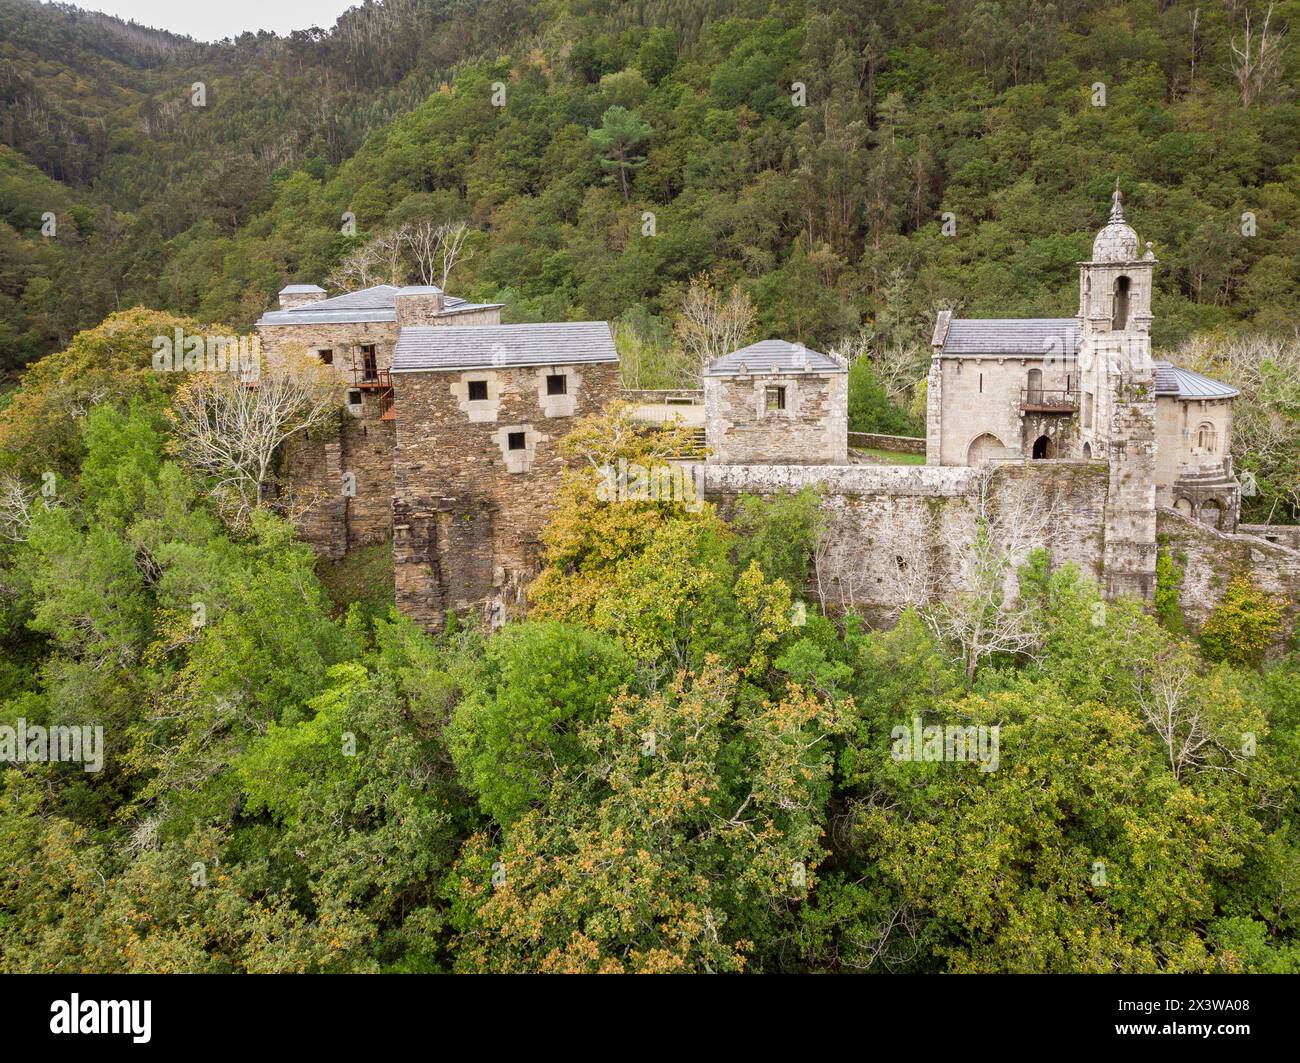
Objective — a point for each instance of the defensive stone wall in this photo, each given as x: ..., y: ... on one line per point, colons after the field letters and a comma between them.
x: 900, y: 444
x: 1210, y: 558
x: 896, y: 533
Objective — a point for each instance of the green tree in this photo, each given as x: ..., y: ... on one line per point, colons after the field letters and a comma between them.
x: 516, y: 726
x: 621, y: 134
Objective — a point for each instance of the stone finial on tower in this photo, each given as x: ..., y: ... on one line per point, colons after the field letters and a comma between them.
x: 1117, y: 204
x: 1116, y: 242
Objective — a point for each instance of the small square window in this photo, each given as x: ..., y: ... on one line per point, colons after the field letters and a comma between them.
x: 326, y: 357
x: 477, y: 390
x: 557, y: 384
x: 354, y: 397
x: 515, y: 441
x: 774, y: 398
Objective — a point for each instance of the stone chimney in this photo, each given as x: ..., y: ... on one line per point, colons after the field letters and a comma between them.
x: 418, y: 304
x: 300, y: 295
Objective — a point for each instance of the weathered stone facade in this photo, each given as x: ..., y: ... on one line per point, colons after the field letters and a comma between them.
x: 450, y: 442
x: 468, y: 508
x: 895, y: 529
x: 1087, y: 387
x: 340, y: 481
x: 779, y: 403
x: 1209, y: 558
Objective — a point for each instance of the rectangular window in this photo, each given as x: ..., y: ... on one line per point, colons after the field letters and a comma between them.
x: 557, y: 384
x: 369, y: 363
x: 774, y: 398
x: 477, y: 390
x: 981, y: 383
x: 326, y: 356
x: 354, y: 397
x: 515, y: 441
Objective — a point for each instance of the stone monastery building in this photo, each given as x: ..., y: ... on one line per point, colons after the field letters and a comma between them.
x: 450, y: 443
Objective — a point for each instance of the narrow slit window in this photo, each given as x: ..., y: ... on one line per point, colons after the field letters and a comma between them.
x: 774, y: 399
x: 557, y: 384
x: 477, y: 390
x: 515, y: 441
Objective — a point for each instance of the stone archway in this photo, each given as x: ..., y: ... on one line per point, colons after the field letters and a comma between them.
x: 1184, y: 507
x: 986, y: 447
x: 1119, y: 318
x: 1043, y: 448
x: 1211, y: 513
x: 1087, y: 450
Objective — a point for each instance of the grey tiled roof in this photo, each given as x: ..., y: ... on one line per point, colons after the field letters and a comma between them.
x: 300, y: 289
x: 1174, y: 380
x: 773, y: 356
x: 380, y: 297
x: 437, y: 348
x: 368, y: 304
x: 1012, y: 336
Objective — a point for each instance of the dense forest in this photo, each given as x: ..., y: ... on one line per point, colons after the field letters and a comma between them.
x: 679, y: 761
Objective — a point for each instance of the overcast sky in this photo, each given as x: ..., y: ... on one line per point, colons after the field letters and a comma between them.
x: 211, y: 20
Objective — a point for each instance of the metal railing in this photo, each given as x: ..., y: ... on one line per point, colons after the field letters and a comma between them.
x: 1049, y: 400
x: 371, y: 378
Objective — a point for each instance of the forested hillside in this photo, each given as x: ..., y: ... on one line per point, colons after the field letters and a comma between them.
x: 830, y: 215
x: 683, y: 758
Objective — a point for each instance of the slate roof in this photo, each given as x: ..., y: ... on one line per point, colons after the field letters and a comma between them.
x: 1014, y: 336
x: 441, y: 348
x: 369, y: 304
x: 1185, y: 384
x: 773, y: 356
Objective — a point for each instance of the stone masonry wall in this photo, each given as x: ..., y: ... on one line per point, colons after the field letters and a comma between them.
x: 468, y: 509
x: 1286, y: 534
x: 897, y: 527
x: 340, y: 483
x: 812, y: 429
x: 980, y: 396
x: 899, y: 444
x: 345, y: 339
x: 1210, y: 558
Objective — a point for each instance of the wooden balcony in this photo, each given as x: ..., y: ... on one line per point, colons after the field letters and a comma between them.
x: 1048, y: 400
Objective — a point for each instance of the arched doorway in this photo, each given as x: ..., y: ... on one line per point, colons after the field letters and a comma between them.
x: 1119, y: 318
x: 1087, y: 450
x: 1184, y: 507
x: 983, y: 448
x: 1043, y: 448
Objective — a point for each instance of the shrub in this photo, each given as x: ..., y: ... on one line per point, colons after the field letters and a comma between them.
x: 1243, y: 624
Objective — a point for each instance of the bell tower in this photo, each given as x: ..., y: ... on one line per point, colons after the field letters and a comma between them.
x: 1115, y: 284
x: 1117, y: 404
